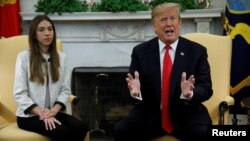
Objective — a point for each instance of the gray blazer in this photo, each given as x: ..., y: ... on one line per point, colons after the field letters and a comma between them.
x: 27, y: 93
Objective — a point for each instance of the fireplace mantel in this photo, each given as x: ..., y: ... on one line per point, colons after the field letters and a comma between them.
x: 140, y: 15
x: 111, y: 36
x: 202, y: 20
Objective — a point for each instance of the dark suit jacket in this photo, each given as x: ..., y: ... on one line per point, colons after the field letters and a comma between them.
x: 191, y: 58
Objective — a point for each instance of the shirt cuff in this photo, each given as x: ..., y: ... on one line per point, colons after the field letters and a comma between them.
x: 29, y: 108
x: 139, y: 97
x: 187, y: 98
x: 60, y: 103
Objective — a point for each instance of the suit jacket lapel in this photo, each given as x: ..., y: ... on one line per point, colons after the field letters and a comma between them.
x: 155, y: 63
x: 177, y: 67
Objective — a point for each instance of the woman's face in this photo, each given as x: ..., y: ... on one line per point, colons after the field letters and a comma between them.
x: 44, y: 35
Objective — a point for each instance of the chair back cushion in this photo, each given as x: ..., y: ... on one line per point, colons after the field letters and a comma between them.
x: 9, y: 48
x: 219, y: 50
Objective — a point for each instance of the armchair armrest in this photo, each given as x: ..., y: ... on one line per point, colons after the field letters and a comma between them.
x: 6, y: 115
x: 73, y: 100
x: 224, y: 105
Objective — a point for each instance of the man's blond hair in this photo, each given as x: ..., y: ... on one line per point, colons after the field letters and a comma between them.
x: 163, y: 7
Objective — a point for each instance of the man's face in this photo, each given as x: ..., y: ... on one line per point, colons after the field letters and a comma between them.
x: 167, y: 26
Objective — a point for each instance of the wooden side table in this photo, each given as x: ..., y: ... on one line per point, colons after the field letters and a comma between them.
x: 245, y: 103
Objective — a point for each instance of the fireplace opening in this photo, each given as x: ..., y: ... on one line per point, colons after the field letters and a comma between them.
x: 103, y: 98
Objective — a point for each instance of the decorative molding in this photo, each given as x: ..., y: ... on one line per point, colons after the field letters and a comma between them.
x: 116, y: 27
x: 202, y: 19
x: 111, y: 36
x: 106, y: 16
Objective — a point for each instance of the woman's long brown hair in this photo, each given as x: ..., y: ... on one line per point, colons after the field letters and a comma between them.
x: 36, y: 58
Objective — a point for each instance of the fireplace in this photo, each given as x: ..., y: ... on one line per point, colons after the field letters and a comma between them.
x: 103, y: 98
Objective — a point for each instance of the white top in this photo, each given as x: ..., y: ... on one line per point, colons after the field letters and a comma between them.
x: 27, y: 93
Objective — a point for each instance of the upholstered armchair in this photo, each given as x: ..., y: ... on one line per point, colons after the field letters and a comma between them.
x: 9, y: 131
x: 218, y: 104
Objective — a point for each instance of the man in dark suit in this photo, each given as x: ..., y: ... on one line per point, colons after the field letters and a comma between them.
x: 190, y: 83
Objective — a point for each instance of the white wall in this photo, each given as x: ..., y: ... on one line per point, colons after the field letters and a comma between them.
x: 107, y: 39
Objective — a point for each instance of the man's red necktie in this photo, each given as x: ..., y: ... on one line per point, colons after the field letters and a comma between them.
x: 166, y: 74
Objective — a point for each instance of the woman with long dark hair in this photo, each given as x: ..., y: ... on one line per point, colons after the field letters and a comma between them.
x: 42, y: 86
